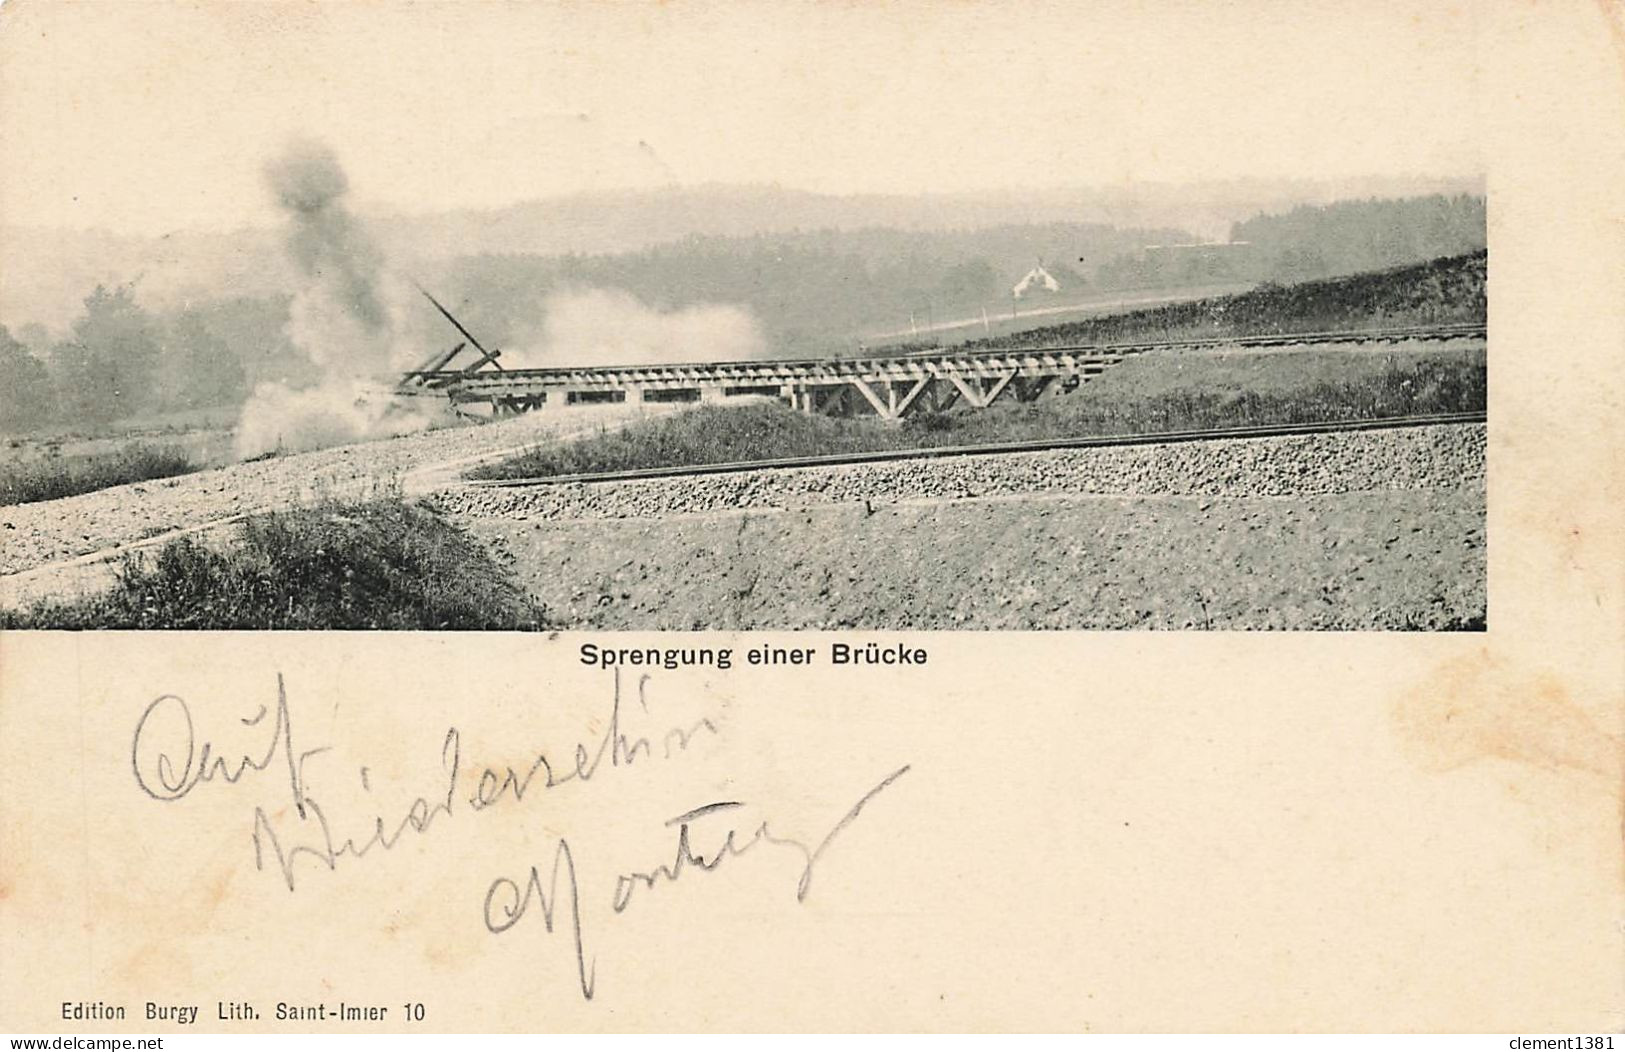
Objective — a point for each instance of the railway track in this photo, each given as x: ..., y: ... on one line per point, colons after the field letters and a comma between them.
x: 994, y: 448
x: 1468, y: 330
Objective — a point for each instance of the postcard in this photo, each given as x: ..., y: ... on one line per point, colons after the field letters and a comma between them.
x: 717, y: 516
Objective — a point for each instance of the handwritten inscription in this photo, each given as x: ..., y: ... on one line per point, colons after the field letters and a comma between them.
x: 507, y: 902
x: 169, y: 764
x: 171, y: 760
x: 165, y: 772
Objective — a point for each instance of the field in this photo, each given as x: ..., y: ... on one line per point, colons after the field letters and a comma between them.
x: 1019, y: 318
x: 52, y: 463
x: 1442, y: 291
x: 1146, y: 394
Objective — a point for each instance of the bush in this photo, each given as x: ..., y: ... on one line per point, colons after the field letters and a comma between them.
x: 378, y: 565
x: 54, y: 477
x: 704, y: 435
x: 932, y: 422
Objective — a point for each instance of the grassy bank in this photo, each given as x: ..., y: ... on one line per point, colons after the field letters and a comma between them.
x: 49, y: 478
x: 1177, y: 392
x: 1443, y: 291
x: 1141, y: 396
x: 703, y: 435
x: 376, y: 565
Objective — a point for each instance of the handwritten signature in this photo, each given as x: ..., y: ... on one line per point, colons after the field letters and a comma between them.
x: 507, y: 902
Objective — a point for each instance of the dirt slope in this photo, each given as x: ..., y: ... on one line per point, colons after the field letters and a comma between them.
x: 1384, y: 559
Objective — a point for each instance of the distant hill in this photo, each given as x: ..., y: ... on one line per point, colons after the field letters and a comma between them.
x: 45, y: 274
x: 810, y: 292
x: 1313, y: 241
x: 1344, y: 237
x: 620, y: 221
x: 815, y: 292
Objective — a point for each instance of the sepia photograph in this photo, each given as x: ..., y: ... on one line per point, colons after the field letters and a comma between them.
x: 974, y: 329
x: 724, y: 516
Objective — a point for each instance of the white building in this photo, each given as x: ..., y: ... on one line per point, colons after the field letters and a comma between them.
x: 1036, y: 276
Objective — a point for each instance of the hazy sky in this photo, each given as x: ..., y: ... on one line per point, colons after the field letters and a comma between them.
x: 155, y: 117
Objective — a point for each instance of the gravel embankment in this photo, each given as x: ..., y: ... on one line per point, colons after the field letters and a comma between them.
x: 32, y: 535
x: 1380, y: 559
x: 1444, y: 456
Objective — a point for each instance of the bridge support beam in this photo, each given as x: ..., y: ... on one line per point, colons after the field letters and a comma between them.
x: 997, y: 389
x: 978, y: 396
x: 891, y: 403
x: 907, y: 403
x: 882, y: 407
x: 972, y: 395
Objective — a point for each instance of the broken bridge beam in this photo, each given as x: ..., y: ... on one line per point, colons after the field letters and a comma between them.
x: 488, y: 356
x: 434, y: 364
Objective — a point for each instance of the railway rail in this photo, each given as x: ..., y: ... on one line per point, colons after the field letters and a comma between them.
x: 994, y: 448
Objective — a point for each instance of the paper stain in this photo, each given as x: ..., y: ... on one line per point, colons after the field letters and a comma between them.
x: 1472, y: 708
x: 1613, y: 17
x: 162, y: 947
x: 1476, y: 708
x: 216, y: 892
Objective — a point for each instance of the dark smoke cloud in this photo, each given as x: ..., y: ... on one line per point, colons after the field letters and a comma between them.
x: 324, y: 240
x: 345, y: 317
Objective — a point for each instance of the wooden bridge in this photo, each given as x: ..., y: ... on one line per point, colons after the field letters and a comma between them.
x: 890, y: 386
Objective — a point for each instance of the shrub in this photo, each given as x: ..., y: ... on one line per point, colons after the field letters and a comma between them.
x: 53, y: 477
x: 378, y: 565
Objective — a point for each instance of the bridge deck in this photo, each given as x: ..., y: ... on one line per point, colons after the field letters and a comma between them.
x: 890, y: 385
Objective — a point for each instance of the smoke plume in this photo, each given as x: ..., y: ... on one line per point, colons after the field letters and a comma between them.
x: 346, y: 316
x: 612, y: 327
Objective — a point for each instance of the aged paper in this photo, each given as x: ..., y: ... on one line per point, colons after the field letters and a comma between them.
x: 1072, y: 831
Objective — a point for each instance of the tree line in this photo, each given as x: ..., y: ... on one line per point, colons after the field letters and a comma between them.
x: 120, y: 360
x: 818, y: 291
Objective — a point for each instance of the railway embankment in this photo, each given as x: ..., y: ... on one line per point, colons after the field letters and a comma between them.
x: 1446, y: 456
x: 44, y: 532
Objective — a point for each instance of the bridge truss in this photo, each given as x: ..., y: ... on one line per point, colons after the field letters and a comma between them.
x: 889, y: 386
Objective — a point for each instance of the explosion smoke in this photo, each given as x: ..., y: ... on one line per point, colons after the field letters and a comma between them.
x: 346, y: 318
x: 612, y: 327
